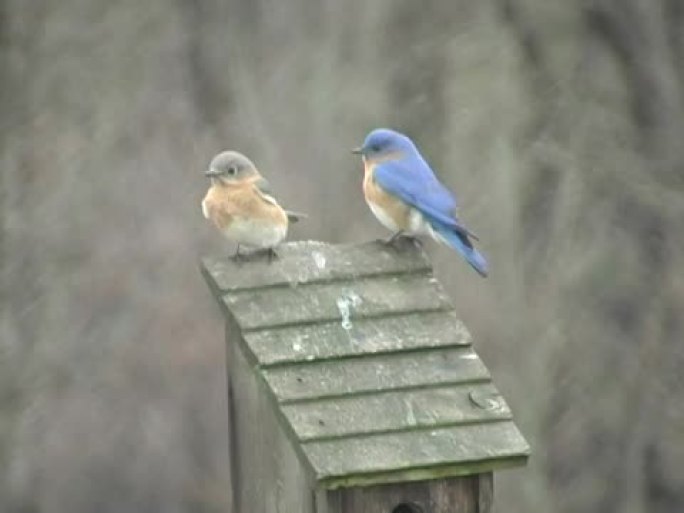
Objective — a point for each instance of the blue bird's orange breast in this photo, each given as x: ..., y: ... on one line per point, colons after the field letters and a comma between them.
x: 392, y: 212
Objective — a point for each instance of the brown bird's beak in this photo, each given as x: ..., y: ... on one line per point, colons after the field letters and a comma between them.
x: 357, y: 151
x: 211, y: 172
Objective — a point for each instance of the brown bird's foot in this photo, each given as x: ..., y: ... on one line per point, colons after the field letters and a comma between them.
x: 268, y: 254
x: 258, y: 254
x: 272, y: 255
x: 238, y: 257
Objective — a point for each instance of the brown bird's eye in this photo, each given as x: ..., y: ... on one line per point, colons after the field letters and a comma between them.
x: 232, y: 170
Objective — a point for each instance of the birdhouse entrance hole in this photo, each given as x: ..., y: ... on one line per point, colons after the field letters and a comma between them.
x: 407, y: 508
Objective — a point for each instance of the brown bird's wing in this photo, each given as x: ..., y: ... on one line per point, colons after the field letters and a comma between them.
x: 264, y: 189
x: 293, y: 217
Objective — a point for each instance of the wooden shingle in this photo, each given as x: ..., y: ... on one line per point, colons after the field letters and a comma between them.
x: 369, y: 371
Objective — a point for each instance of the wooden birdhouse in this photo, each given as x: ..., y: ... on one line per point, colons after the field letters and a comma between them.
x: 354, y: 388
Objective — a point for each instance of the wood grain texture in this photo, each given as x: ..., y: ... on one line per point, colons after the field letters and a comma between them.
x: 338, y: 301
x: 434, y: 448
x: 375, y: 373
x: 307, y: 262
x: 454, y: 495
x: 393, y: 411
x: 485, y: 490
x: 331, y: 340
x: 269, y: 476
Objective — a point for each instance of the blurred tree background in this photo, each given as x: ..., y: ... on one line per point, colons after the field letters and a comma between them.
x: 559, y: 123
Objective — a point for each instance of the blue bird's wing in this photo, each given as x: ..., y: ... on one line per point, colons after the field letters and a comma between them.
x: 412, y: 181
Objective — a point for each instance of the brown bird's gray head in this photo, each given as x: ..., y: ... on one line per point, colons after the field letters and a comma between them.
x: 231, y: 167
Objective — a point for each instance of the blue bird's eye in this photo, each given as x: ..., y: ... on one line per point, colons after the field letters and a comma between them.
x: 375, y: 148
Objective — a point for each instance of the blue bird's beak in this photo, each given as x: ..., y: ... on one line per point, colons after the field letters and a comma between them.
x: 357, y: 151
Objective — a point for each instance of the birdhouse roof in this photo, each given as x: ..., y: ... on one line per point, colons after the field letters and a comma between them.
x: 372, y: 374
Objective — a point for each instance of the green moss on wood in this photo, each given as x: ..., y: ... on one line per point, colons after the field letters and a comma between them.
x: 422, y: 474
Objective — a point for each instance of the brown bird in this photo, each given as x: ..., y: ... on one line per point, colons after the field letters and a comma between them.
x: 241, y: 207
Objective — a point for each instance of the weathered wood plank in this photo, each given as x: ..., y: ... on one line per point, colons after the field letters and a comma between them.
x: 365, y: 336
x: 364, y: 456
x: 268, y: 475
x: 384, y: 498
x: 394, y: 411
x: 375, y: 373
x: 436, y: 496
x: 345, y: 302
x: 453, y: 495
x: 310, y: 262
x: 485, y: 492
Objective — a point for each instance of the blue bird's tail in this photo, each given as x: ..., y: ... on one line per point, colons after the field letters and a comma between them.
x: 460, y: 242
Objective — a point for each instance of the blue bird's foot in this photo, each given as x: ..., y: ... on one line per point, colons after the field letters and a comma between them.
x: 417, y: 243
x: 395, y: 237
x: 399, y: 240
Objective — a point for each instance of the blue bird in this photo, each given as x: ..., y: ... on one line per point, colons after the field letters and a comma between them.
x: 407, y: 198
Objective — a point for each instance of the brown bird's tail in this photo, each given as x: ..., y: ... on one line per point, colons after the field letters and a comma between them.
x: 294, y: 217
